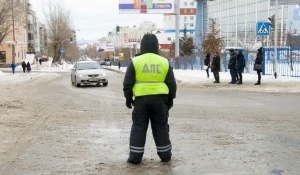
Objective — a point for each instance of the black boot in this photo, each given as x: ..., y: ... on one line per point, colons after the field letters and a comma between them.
x: 135, y: 158
x: 258, y: 83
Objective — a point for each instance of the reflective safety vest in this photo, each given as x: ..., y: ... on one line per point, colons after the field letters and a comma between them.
x: 150, y: 74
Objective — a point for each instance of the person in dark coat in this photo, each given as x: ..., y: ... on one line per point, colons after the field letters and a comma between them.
x: 207, y: 63
x: 236, y: 73
x: 24, y: 66
x: 13, y: 67
x: 231, y: 66
x: 239, y: 66
x: 150, y: 79
x: 216, y: 67
x: 119, y: 65
x: 28, y: 67
x: 259, y: 60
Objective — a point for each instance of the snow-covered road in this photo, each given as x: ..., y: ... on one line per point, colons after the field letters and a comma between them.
x: 49, y: 126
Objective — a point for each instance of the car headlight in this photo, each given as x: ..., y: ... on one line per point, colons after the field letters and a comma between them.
x: 82, y: 75
x: 104, y: 74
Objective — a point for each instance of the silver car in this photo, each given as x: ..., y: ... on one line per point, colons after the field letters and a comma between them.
x: 88, y: 72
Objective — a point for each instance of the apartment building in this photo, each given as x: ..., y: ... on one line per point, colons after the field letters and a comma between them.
x: 188, y: 12
x: 13, y: 47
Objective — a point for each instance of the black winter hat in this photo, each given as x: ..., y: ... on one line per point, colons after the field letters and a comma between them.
x: 260, y: 50
x: 149, y: 44
x: 231, y: 50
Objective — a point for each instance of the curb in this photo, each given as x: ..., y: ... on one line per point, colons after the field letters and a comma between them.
x: 113, y: 70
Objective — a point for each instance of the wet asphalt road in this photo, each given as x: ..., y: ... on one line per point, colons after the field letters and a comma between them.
x: 67, y: 130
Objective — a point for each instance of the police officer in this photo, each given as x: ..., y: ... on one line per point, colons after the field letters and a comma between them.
x: 150, y: 79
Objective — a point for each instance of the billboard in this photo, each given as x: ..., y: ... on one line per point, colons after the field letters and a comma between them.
x: 108, y: 47
x: 146, y: 6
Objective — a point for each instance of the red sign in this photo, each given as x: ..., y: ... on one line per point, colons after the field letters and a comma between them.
x: 143, y: 8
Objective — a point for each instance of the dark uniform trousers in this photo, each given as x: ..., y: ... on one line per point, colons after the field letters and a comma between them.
x: 155, y: 109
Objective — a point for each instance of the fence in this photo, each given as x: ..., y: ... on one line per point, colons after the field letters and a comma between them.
x: 288, y: 62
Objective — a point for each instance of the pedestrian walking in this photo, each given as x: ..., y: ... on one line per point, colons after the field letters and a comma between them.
x: 24, y: 66
x: 28, y: 67
x: 119, y: 65
x: 13, y: 67
x: 231, y: 66
x: 258, y: 65
x: 240, y: 65
x: 216, y: 67
x: 172, y: 63
x: 150, y: 79
x: 207, y: 63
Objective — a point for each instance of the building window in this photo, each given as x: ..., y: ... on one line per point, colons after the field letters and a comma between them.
x: 169, y: 38
x: 185, y: 18
x: 191, y: 32
x: 192, y: 11
x: 191, y: 17
x: 192, y: 3
x: 185, y: 25
x: 2, y: 57
x: 185, y: 10
x: 192, y: 25
x: 185, y: 3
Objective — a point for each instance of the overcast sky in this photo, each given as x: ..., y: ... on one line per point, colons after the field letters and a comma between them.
x: 95, y: 18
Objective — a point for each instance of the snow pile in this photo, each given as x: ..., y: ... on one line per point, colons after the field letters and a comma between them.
x: 1, y: 73
x: 29, y: 58
x: 23, y: 77
x: 198, y: 79
x: 65, y: 67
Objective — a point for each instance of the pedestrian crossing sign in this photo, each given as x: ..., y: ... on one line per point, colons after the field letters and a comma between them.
x: 263, y: 29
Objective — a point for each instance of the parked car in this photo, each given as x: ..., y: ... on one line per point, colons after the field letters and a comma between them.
x: 88, y: 72
x: 44, y: 59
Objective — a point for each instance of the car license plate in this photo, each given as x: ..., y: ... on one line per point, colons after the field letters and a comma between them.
x: 93, y: 79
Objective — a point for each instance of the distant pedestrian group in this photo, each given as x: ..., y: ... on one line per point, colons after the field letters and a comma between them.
x: 24, y: 66
x: 236, y: 65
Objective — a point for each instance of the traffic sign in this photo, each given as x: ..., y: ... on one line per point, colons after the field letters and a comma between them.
x: 263, y: 29
x: 62, y: 50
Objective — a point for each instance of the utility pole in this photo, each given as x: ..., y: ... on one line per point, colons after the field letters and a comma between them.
x: 276, y: 41
x: 14, y: 37
x: 177, y: 22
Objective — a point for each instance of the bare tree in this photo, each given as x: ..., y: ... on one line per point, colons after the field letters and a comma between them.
x: 10, y: 14
x: 213, y: 41
x: 59, y: 27
x: 172, y: 50
x: 72, y: 53
x: 248, y: 44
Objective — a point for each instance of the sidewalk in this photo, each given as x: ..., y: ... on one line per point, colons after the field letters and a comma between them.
x: 198, y: 79
x: 44, y: 67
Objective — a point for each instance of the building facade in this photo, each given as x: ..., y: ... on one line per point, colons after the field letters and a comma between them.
x: 43, y: 38
x: 188, y: 12
x: 237, y: 20
x: 32, y: 21
x: 13, y: 47
x: 131, y: 35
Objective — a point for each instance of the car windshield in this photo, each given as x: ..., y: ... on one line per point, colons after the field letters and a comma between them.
x: 84, y: 66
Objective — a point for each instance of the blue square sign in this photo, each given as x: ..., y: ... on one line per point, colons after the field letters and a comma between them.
x: 263, y: 29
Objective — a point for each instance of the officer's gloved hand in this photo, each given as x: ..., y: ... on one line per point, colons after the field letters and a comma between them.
x: 129, y: 102
x: 170, y: 104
